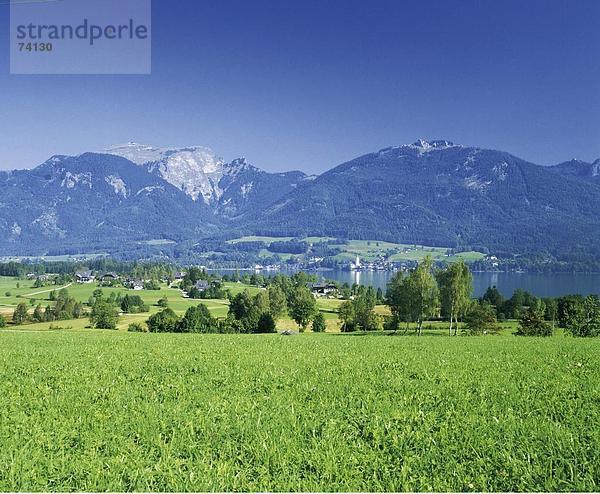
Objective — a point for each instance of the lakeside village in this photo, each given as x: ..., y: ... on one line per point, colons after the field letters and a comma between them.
x: 199, y: 282
x: 313, y: 264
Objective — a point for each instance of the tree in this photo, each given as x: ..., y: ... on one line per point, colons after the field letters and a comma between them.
x: 133, y: 304
x: 319, y: 325
x: 494, y: 298
x: 77, y: 310
x: 163, y: 302
x: 583, y: 318
x: 303, y: 307
x: 261, y: 303
x: 363, y: 305
x: 20, y: 314
x: 104, y: 315
x: 98, y: 294
x: 164, y: 321
x: 422, y: 293
x: 266, y: 324
x: 240, y: 305
x: 551, y: 310
x: 277, y: 302
x: 246, y: 310
x: 38, y: 314
x: 532, y: 323
x: 398, y: 299
x: 152, y: 285
x: 197, y: 320
x: 346, y: 315
x: 481, y: 319
x: 48, y: 314
x: 456, y: 287
x: 2, y: 321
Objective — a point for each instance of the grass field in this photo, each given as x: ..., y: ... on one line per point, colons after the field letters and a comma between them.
x: 369, y: 250
x: 219, y: 308
x: 258, y: 238
x: 82, y: 292
x: 111, y: 411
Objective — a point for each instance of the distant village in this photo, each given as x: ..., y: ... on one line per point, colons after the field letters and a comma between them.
x: 320, y: 288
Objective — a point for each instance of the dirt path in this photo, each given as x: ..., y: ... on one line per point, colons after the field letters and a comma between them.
x: 29, y: 295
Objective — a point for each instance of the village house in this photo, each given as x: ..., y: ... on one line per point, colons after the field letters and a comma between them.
x: 322, y: 288
x: 109, y: 277
x: 46, y: 277
x: 201, y: 285
x: 133, y: 284
x: 84, y: 277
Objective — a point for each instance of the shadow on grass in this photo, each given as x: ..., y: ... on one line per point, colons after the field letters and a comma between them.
x: 410, y: 332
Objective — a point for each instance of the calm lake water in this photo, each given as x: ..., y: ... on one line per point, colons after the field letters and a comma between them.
x: 541, y: 285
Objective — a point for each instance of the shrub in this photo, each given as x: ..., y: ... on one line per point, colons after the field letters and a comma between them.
x: 133, y: 304
x: 319, y: 325
x: 481, y: 319
x: 152, y: 285
x: 164, y: 321
x: 197, y: 320
x: 2, y: 321
x: 266, y: 324
x: 137, y: 327
x: 532, y: 323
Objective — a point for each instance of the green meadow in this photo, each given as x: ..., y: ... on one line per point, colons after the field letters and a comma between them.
x: 114, y: 411
x: 368, y: 250
x: 82, y: 292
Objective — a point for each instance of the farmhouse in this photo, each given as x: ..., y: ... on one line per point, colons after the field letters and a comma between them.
x: 106, y: 277
x: 133, y: 284
x: 322, y: 288
x: 84, y: 277
x: 201, y: 285
x: 46, y: 277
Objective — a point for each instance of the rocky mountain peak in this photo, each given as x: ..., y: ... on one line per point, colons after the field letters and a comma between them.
x: 424, y: 145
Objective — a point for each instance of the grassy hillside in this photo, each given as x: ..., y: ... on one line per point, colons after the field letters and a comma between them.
x: 368, y: 250
x: 111, y: 411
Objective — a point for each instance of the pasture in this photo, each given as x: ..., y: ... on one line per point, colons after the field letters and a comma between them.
x: 112, y: 411
x: 82, y: 292
x: 369, y: 250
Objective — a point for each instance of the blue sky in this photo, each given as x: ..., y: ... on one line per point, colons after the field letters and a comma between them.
x: 309, y: 84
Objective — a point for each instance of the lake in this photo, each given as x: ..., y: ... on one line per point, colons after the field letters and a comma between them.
x: 541, y: 285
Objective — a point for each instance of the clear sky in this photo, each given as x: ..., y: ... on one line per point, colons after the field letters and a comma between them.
x: 308, y: 84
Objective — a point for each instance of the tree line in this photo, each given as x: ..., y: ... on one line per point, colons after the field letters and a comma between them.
x: 429, y: 294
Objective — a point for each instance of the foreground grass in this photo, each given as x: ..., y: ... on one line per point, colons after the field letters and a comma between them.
x: 95, y: 411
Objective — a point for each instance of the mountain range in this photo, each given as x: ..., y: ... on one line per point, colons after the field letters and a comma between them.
x: 429, y: 192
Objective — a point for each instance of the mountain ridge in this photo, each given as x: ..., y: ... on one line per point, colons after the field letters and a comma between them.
x: 430, y: 192
x: 202, y: 175
x: 413, y: 191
